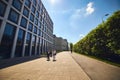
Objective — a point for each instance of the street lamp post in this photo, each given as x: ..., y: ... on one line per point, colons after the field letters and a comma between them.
x: 103, y: 17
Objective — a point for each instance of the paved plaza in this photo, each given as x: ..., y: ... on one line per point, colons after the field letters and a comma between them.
x: 64, y: 68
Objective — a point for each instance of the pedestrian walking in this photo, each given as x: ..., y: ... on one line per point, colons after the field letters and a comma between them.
x: 54, y: 54
x: 48, y: 55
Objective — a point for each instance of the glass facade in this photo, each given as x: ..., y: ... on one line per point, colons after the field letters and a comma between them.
x: 19, y: 44
x: 7, y: 0
x: 23, y: 22
x: 26, y: 31
x: 13, y: 16
x: 34, y: 2
x: 36, y: 21
x: 7, y: 41
x: 35, y: 29
x: 30, y: 26
x: 37, y: 14
x: 33, y: 44
x: 27, y: 45
x: 0, y: 23
x: 27, y: 3
x: 26, y: 12
x: 33, y: 9
x: 32, y: 17
x: 2, y: 8
x: 38, y: 46
x: 17, y: 4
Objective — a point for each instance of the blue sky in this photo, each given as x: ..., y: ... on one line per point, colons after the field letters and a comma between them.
x: 73, y: 19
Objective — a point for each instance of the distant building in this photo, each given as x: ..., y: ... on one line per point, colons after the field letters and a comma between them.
x: 26, y: 28
x: 60, y: 44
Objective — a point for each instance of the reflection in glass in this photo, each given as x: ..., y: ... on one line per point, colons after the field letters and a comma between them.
x: 2, y: 8
x: 13, y: 16
x: 17, y: 4
x: 30, y: 26
x: 35, y: 29
x: 26, y: 12
x: 23, y: 22
x: 38, y: 46
x: 32, y: 17
x: 27, y: 45
x: 19, y: 44
x: 0, y: 23
x: 27, y: 3
x: 7, y: 41
x: 33, y: 44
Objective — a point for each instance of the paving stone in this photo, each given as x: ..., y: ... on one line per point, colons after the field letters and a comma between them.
x: 64, y: 68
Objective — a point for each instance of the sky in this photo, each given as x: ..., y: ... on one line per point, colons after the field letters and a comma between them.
x: 74, y: 19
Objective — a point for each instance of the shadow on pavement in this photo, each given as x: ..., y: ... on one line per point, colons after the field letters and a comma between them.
x: 10, y: 62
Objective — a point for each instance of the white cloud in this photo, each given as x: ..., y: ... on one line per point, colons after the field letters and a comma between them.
x: 90, y: 9
x: 80, y: 14
x: 81, y: 36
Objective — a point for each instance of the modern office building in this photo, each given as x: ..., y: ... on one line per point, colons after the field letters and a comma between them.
x: 26, y: 29
x: 60, y: 44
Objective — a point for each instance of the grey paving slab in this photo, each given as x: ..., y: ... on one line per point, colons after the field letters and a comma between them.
x: 97, y: 70
x: 64, y: 68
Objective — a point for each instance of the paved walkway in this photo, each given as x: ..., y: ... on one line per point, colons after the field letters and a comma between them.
x: 97, y: 70
x: 64, y: 68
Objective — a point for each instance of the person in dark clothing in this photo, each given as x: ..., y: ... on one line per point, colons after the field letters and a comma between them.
x: 71, y: 50
x: 48, y: 56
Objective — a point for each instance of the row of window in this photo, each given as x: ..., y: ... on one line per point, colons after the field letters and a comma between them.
x: 8, y: 40
x: 14, y: 16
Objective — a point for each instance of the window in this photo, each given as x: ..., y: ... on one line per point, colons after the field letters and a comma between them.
x: 13, y: 16
x: 7, y: 0
x: 0, y: 23
x: 33, y: 9
x: 36, y: 21
x: 39, y: 24
x: 37, y: 14
x: 30, y: 26
x: 27, y: 46
x: 38, y: 46
x: 33, y: 44
x: 39, y: 32
x: 27, y: 3
x: 19, y: 44
x: 34, y: 2
x: 2, y: 8
x: 26, y: 12
x: 23, y: 22
x: 32, y: 17
x: 35, y: 29
x: 17, y: 4
x: 39, y: 7
x: 7, y: 41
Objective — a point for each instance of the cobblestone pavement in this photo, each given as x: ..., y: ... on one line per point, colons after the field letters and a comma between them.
x: 64, y: 68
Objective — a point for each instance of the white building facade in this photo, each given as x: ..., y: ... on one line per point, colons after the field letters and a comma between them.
x: 26, y: 28
x: 60, y: 44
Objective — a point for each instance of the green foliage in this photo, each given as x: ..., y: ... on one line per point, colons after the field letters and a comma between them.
x: 104, y: 40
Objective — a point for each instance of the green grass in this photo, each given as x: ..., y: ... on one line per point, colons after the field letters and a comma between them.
x: 103, y: 60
